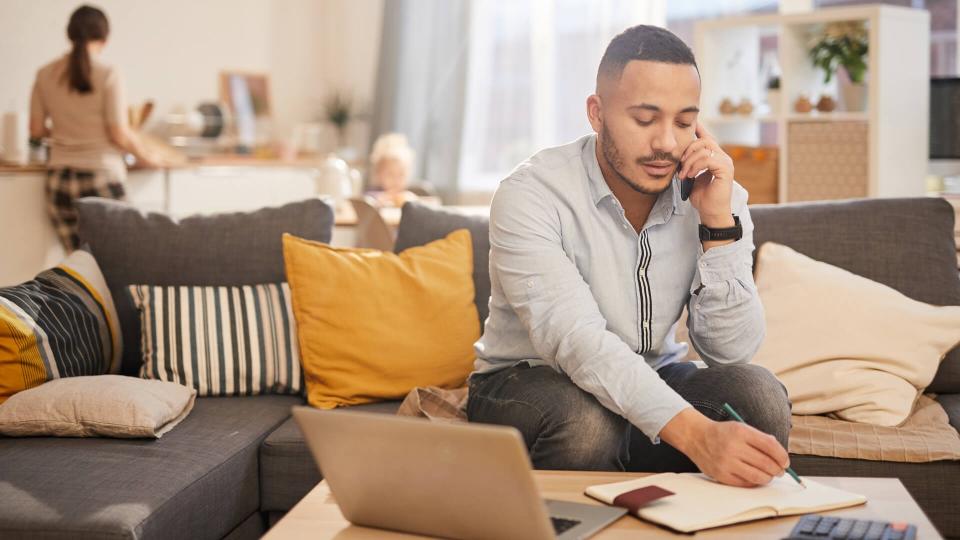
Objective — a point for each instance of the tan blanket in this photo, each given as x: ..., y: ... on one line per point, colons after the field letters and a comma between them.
x: 926, y: 435
x: 436, y: 404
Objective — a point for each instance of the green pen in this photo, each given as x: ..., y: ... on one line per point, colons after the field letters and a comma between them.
x: 735, y: 416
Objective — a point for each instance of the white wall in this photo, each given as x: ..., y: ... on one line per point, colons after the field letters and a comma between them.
x: 172, y: 51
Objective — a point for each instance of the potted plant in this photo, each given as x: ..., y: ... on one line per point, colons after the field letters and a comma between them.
x: 339, y: 112
x: 843, y: 44
x: 773, y: 95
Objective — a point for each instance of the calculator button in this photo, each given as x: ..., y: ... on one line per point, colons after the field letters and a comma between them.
x: 876, y: 531
x: 859, y: 529
x: 808, y: 524
x: 825, y: 526
x: 842, y: 529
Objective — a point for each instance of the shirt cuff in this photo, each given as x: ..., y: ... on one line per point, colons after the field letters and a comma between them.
x: 669, y: 407
x: 723, y: 263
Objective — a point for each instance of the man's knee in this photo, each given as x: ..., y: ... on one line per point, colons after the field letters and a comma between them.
x: 754, y: 392
x: 581, y: 434
x: 563, y: 426
x: 761, y: 400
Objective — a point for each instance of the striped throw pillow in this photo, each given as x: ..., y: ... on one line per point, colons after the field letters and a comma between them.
x: 223, y: 341
x: 60, y: 324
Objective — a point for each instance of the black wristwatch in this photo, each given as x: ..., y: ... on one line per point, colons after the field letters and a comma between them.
x: 729, y: 233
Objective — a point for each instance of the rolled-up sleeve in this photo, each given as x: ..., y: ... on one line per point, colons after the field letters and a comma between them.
x: 726, y: 322
x: 552, y: 300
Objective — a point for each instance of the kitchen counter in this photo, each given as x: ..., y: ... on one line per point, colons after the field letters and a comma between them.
x: 225, y: 160
x: 224, y: 184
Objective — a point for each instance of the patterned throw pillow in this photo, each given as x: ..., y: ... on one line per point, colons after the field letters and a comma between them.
x: 60, y: 324
x: 223, y: 341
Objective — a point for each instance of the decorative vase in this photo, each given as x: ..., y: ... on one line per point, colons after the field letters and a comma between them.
x: 803, y: 104
x: 727, y: 106
x: 773, y: 100
x: 333, y: 180
x: 854, y: 96
x: 826, y: 103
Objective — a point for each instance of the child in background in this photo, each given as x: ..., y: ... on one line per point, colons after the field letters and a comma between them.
x: 391, y: 162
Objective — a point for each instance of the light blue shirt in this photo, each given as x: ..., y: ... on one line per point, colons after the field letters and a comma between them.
x: 574, y: 287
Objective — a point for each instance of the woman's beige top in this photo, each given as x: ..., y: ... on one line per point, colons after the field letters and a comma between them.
x: 79, y: 137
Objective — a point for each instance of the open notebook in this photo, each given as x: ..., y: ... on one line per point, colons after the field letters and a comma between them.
x: 700, y: 503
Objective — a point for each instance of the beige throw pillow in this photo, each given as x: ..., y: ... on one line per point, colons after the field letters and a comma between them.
x: 845, y: 345
x: 101, y: 405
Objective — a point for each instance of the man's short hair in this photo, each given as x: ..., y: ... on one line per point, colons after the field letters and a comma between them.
x: 644, y: 42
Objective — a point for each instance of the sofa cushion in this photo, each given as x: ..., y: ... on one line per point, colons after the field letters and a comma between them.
x: 287, y: 470
x: 906, y: 244
x: 873, y: 349
x: 97, y: 406
x: 379, y: 324
x: 133, y: 248
x: 222, y: 341
x: 420, y: 224
x: 62, y: 323
x: 199, y: 481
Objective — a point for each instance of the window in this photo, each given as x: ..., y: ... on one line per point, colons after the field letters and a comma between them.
x: 532, y: 66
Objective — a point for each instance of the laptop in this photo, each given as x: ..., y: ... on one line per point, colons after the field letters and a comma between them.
x: 453, y: 480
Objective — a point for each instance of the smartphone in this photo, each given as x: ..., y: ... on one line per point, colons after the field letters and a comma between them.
x: 686, y: 187
x: 686, y: 184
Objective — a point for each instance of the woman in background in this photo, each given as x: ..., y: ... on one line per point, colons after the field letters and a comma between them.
x: 89, y: 130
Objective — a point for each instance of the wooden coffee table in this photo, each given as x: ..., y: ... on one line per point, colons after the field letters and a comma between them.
x: 317, y: 516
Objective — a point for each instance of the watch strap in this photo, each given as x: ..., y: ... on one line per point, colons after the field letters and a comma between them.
x: 728, y: 233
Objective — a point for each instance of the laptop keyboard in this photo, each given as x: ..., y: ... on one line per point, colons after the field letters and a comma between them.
x: 561, y: 525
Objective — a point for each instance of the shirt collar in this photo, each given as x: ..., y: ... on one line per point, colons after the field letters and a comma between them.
x: 668, y: 201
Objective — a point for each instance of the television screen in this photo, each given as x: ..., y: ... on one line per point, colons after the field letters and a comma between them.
x: 945, y: 118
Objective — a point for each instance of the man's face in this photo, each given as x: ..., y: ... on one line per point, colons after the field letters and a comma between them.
x: 646, y: 120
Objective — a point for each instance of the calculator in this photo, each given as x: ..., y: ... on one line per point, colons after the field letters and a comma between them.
x: 817, y: 527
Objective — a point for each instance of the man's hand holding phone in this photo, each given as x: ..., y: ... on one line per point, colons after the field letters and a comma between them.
x: 712, y: 172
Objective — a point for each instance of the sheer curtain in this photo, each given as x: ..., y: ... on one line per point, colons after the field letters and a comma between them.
x: 531, y: 67
x: 421, y: 80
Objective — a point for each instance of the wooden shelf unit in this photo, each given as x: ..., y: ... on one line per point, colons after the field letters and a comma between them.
x: 891, y: 162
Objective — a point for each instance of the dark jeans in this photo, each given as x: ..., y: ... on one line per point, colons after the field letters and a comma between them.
x: 566, y: 428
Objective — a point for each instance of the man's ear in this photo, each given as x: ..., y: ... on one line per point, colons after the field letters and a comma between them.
x: 594, y: 112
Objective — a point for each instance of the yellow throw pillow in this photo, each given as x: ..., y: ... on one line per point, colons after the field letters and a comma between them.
x: 373, y: 325
x: 845, y: 345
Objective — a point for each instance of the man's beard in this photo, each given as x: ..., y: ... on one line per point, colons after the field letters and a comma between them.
x: 612, y: 154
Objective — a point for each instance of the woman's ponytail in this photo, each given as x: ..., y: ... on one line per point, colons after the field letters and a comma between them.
x: 86, y: 24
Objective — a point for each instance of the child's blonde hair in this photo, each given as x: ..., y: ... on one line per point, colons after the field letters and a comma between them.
x: 392, y: 145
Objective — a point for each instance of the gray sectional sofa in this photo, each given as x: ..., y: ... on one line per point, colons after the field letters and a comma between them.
x: 235, y: 465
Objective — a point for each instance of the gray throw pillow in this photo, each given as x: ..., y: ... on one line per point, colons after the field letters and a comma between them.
x: 906, y: 244
x: 135, y: 248
x: 421, y: 224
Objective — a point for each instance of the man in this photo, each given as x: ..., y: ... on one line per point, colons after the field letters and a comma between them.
x: 594, y: 255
